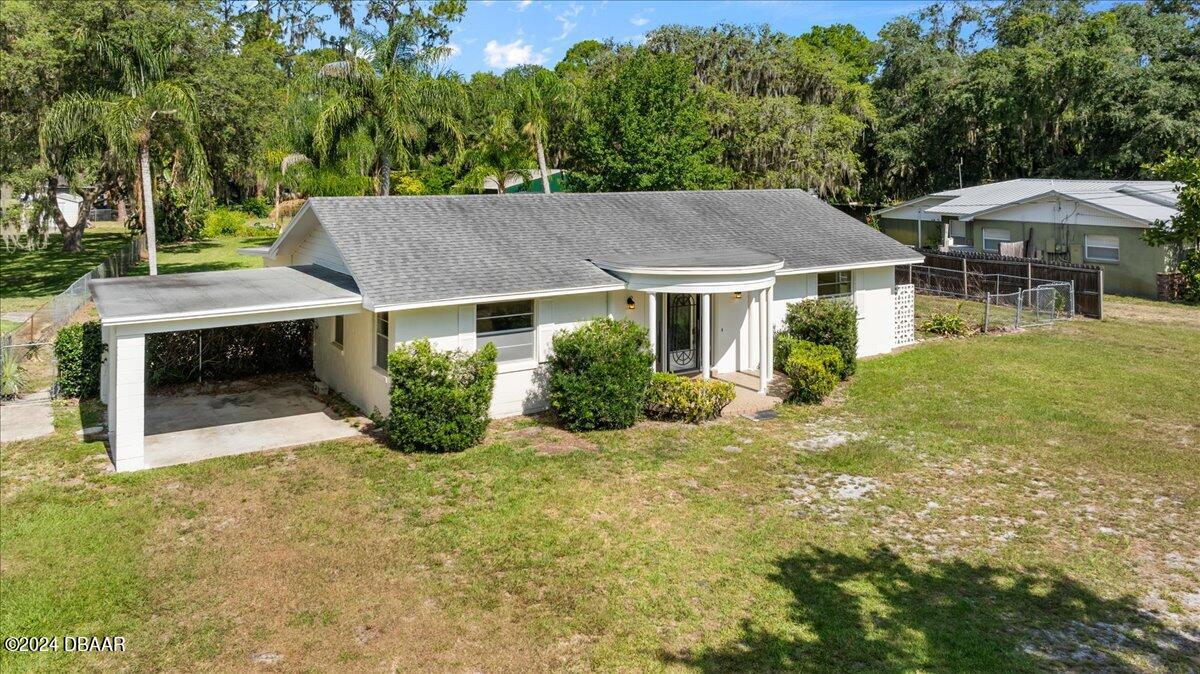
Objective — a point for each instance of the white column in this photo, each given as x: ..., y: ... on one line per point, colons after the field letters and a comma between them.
x: 764, y: 343
x: 706, y: 335
x: 651, y: 325
x: 127, y: 407
x: 769, y: 328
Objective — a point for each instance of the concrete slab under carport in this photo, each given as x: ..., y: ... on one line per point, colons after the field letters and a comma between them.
x: 194, y: 423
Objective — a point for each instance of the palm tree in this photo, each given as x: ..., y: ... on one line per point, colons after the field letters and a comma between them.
x: 386, y: 90
x: 149, y: 101
x: 499, y: 153
x: 535, y: 94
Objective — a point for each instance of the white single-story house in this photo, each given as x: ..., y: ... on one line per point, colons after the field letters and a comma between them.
x: 708, y: 273
x: 1090, y: 221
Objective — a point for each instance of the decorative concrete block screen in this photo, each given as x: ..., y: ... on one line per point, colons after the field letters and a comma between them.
x: 904, y: 296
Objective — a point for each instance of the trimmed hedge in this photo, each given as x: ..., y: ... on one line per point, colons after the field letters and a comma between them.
x: 810, y: 374
x: 78, y: 348
x: 826, y: 322
x: 439, y: 399
x: 675, y: 398
x: 599, y: 373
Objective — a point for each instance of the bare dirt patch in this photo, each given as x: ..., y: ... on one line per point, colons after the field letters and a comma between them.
x: 543, y: 439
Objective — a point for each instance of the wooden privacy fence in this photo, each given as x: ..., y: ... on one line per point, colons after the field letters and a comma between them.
x: 974, y: 274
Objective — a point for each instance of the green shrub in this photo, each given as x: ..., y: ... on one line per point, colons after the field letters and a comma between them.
x: 950, y: 324
x: 675, y: 398
x: 79, y: 349
x: 256, y: 206
x: 439, y: 399
x: 809, y: 376
x: 599, y: 373
x: 784, y: 343
x: 223, y: 222
x: 1189, y: 266
x: 825, y: 354
x: 12, y: 377
x: 829, y: 322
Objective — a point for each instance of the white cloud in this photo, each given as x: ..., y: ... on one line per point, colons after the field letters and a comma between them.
x: 514, y: 53
x: 488, y: 3
x: 522, y: 5
x: 565, y: 17
x: 453, y: 49
x: 639, y: 21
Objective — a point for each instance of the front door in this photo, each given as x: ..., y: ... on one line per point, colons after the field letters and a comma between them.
x: 682, y: 327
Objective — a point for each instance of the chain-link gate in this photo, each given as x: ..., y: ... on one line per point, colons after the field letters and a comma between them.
x: 1040, y: 305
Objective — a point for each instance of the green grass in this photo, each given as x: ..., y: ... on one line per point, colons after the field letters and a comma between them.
x: 1028, y: 495
x: 31, y: 278
x: 208, y: 255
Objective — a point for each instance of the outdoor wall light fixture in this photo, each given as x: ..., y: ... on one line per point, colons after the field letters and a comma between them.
x: 630, y: 303
x: 737, y: 295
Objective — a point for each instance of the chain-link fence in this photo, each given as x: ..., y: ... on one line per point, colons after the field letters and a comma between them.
x: 1041, y: 305
x: 40, y: 327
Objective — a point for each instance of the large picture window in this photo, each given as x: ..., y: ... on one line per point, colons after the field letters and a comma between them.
x: 382, y: 342
x: 833, y: 284
x: 508, y: 325
x: 1101, y: 248
x: 992, y: 238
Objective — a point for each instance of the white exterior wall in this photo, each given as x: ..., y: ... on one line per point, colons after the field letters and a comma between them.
x: 351, y: 370
x: 1060, y: 210
x: 872, y: 297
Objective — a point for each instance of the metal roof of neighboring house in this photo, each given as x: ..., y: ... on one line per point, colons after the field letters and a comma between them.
x: 139, y: 299
x: 407, y: 251
x: 1143, y: 200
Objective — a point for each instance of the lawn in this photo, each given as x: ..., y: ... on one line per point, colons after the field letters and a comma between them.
x: 31, y: 278
x: 206, y: 255
x: 1014, y: 502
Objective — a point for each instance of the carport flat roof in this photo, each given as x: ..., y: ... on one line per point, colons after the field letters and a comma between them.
x: 145, y: 299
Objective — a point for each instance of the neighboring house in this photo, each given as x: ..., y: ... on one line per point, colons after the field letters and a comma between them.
x: 516, y: 183
x: 709, y: 274
x: 1091, y: 221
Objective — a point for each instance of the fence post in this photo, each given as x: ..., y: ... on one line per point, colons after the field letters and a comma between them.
x: 965, y: 296
x: 1020, y: 300
x: 910, y: 274
x: 1028, y: 275
x: 1099, y: 293
x: 1072, y: 298
x: 987, y: 306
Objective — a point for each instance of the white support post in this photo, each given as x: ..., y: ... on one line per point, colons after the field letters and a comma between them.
x: 705, y: 335
x: 127, y: 406
x: 651, y: 318
x: 769, y: 329
x: 764, y: 341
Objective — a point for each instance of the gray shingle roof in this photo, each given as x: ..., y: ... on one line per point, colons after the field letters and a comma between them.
x: 409, y: 250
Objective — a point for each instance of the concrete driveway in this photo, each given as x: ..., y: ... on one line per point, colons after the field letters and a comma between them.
x: 239, y: 417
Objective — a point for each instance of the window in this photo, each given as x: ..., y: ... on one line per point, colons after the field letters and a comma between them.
x: 339, y: 331
x: 508, y: 325
x: 992, y: 238
x: 958, y: 233
x: 833, y: 284
x: 382, y: 342
x: 1101, y: 248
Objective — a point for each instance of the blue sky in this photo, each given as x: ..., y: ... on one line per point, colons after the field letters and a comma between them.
x: 498, y: 34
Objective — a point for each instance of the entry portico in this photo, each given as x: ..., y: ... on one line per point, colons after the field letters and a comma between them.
x: 131, y: 308
x: 681, y: 327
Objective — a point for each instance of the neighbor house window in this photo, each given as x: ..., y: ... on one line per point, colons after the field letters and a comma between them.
x: 958, y: 233
x: 382, y: 345
x: 992, y: 238
x: 833, y: 284
x: 508, y: 325
x: 339, y: 331
x: 1102, y: 248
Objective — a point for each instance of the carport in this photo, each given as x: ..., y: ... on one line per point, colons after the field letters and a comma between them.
x: 131, y: 308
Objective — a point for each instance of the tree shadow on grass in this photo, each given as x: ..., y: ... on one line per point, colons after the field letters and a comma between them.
x: 876, y: 612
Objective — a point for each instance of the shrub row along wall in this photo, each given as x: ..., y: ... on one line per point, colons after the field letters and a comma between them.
x: 228, y: 353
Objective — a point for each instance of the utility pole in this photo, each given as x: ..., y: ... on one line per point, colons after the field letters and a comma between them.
x: 960, y: 185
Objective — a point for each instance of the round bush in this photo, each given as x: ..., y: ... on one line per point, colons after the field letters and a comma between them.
x: 599, y: 373
x: 675, y: 398
x: 439, y: 399
x: 223, y: 222
x: 827, y: 322
x: 810, y: 378
x: 256, y: 206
